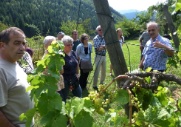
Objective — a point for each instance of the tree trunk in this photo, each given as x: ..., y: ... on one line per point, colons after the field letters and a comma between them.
x: 112, y: 44
x: 171, y: 26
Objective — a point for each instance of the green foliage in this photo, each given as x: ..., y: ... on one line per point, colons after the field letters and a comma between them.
x: 130, y: 28
x: 178, y: 6
x: 31, y: 30
x: 71, y: 24
x: 141, y: 19
x: 103, y: 108
x: 43, y: 87
x: 45, y: 17
x: 36, y: 44
x: 3, y: 26
x: 83, y: 27
x: 160, y: 112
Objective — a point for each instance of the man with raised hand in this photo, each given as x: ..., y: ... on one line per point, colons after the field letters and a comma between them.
x: 157, y: 50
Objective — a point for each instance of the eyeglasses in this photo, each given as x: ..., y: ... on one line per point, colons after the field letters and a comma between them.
x: 99, y: 30
x: 151, y: 30
x: 69, y: 45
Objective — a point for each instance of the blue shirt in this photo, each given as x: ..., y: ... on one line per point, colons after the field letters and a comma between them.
x: 154, y: 57
x: 80, y: 51
x: 98, y: 41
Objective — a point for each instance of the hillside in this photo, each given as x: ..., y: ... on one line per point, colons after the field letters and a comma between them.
x: 45, y: 16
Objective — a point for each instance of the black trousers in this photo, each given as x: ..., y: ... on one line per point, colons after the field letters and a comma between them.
x: 83, y: 79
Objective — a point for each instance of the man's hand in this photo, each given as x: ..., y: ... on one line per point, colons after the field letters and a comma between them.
x: 157, y: 44
x: 102, y: 47
x: 168, y: 51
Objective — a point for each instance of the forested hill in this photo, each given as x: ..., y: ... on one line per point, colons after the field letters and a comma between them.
x: 45, y: 16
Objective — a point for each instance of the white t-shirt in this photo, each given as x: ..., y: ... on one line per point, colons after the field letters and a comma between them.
x: 14, y: 100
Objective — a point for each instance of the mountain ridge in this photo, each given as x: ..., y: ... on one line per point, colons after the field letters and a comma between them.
x: 47, y: 16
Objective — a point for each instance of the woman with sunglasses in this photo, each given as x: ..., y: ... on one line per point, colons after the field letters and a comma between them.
x: 71, y: 70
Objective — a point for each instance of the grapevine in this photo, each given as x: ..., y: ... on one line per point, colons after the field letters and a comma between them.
x: 141, y: 101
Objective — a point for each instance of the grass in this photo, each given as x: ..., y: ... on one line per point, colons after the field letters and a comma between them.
x: 132, y: 57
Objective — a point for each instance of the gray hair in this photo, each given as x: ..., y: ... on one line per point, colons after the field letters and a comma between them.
x: 152, y: 23
x: 67, y: 39
x: 61, y: 33
x: 48, y: 39
x: 98, y: 27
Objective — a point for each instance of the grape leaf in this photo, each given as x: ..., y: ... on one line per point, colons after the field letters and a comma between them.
x: 122, y: 97
x: 83, y: 119
x: 47, y: 103
x: 29, y: 114
x: 60, y: 121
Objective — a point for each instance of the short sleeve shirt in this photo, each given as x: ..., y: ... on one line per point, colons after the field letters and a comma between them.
x: 14, y: 100
x: 155, y: 57
x: 98, y: 41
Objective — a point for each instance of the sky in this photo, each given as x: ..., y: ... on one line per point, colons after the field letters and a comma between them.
x: 139, y: 5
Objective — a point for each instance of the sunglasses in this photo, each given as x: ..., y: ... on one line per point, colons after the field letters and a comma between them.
x: 100, y: 30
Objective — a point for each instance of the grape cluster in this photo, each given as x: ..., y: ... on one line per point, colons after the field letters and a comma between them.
x: 101, y: 99
x: 135, y: 102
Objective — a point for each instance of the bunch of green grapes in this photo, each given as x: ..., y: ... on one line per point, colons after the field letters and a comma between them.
x: 135, y: 102
x: 101, y: 99
x: 97, y: 100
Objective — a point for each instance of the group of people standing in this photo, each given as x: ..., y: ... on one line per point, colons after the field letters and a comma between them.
x: 76, y: 51
x: 14, y: 99
x: 79, y: 50
x: 73, y: 78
